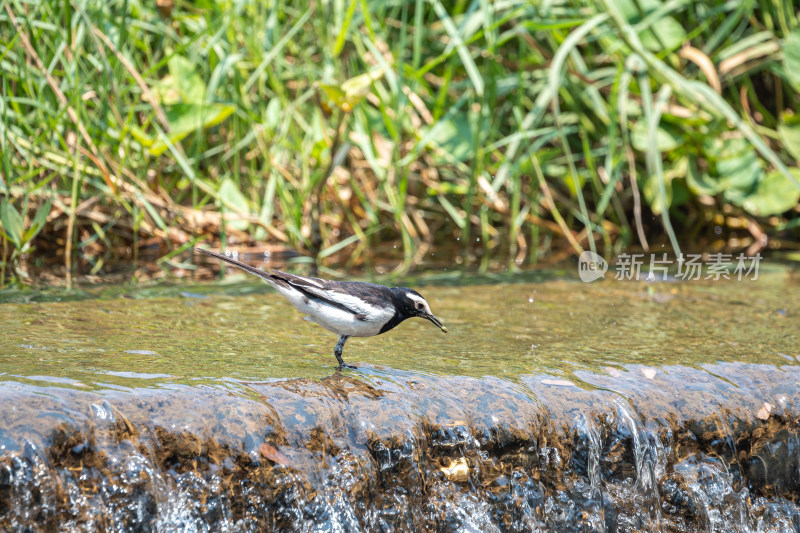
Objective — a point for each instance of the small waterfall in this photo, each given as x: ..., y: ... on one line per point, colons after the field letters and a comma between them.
x: 417, y: 452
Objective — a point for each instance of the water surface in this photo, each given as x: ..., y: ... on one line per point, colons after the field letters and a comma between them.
x: 549, y: 406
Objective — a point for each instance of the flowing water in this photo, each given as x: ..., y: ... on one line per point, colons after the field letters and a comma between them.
x: 551, y: 405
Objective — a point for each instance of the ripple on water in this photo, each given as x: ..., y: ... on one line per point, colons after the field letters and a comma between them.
x: 537, y: 416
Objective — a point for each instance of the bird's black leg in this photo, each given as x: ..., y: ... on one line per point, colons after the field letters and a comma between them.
x: 338, y: 352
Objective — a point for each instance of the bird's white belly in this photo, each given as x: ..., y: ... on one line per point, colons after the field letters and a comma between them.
x: 338, y: 320
x: 347, y: 325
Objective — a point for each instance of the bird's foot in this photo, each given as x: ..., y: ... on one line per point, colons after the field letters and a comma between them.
x: 344, y: 365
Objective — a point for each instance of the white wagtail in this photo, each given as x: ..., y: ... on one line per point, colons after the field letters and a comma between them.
x: 347, y: 308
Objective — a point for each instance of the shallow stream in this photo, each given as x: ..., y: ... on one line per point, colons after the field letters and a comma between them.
x: 550, y: 405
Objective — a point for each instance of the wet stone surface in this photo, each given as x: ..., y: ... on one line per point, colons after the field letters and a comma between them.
x: 390, y: 450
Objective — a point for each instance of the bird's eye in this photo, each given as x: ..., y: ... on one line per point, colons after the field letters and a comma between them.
x: 420, y: 306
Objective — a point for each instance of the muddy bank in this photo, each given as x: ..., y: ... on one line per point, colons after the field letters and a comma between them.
x: 670, y: 448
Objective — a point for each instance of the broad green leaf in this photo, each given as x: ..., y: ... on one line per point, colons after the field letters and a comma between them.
x: 359, y: 86
x: 12, y: 223
x: 700, y: 183
x: 666, y: 33
x: 272, y: 115
x: 141, y: 136
x: 185, y: 119
x: 662, y: 32
x: 454, y: 136
x: 789, y: 131
x: 735, y: 195
x: 730, y: 167
x: 674, y: 169
x: 774, y: 194
x: 651, y: 190
x: 680, y: 193
x: 791, y: 58
x: 667, y: 137
x: 333, y: 96
x: 229, y: 192
x: 183, y: 85
x: 38, y: 221
x: 347, y: 95
x: 737, y: 163
x: 190, y: 86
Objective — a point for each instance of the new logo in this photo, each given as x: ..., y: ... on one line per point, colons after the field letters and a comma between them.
x: 591, y: 266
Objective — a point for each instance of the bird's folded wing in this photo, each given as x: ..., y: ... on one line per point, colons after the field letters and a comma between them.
x: 323, y: 290
x: 314, y: 288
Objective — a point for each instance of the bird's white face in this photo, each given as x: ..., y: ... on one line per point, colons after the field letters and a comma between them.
x: 419, y: 303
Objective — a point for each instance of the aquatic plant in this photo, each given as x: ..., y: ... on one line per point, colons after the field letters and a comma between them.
x: 505, y: 130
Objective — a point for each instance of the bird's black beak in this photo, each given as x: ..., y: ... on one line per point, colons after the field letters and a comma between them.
x: 434, y: 320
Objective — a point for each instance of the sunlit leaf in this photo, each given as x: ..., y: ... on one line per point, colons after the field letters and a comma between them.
x: 667, y: 137
x: 183, y: 120
x: 182, y: 85
x: 347, y: 95
x: 272, y: 115
x: 38, y: 221
x: 662, y: 33
x: 791, y: 58
x: 701, y: 183
x: 186, y: 81
x: 12, y: 223
x: 651, y: 190
x: 774, y: 195
x: 737, y: 162
x: 229, y: 192
x: 732, y: 167
x: 454, y: 136
x: 789, y: 131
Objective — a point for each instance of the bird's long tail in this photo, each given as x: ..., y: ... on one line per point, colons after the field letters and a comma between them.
x: 266, y: 276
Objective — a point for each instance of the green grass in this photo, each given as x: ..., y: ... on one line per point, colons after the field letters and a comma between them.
x: 505, y: 130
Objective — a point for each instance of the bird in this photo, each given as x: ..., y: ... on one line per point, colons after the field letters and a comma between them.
x: 347, y: 308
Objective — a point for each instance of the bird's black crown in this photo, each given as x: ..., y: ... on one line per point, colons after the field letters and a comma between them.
x: 408, y: 307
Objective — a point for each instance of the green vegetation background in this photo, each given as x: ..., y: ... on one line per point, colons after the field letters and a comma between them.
x: 500, y: 129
